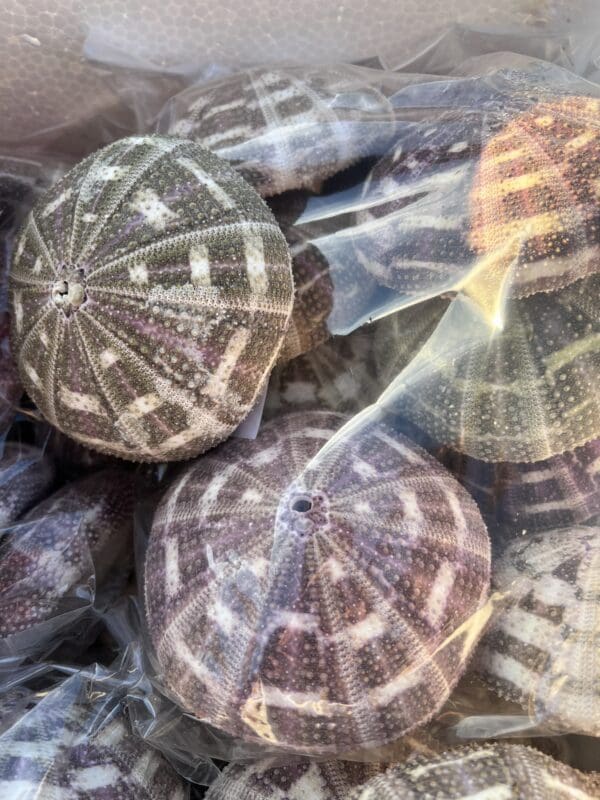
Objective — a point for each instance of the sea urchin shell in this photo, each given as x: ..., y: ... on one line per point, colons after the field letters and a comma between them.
x: 26, y: 474
x: 315, y: 602
x: 150, y: 289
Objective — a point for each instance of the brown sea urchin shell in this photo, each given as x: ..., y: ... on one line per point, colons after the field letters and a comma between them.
x: 150, y: 290
x: 61, y: 551
x: 305, y: 780
x: 541, y: 650
x: 285, y: 127
x: 319, y: 604
x: 537, y: 180
x: 26, y: 475
x: 494, y: 771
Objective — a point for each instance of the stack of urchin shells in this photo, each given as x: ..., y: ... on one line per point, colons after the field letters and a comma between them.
x: 318, y: 591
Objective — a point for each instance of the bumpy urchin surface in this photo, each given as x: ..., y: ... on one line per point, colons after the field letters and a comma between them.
x: 312, y: 603
x: 336, y: 376
x: 537, y: 181
x: 56, y: 745
x: 494, y: 771
x: 286, y: 127
x: 150, y: 290
x: 10, y: 382
x: 26, y: 475
x: 558, y: 492
x: 63, y: 549
x: 525, y: 392
x: 541, y: 649
x: 304, y: 780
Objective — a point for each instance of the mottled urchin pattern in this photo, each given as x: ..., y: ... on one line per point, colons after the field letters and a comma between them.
x: 324, y: 604
x: 537, y: 182
x: 26, y: 475
x: 287, y: 127
x: 558, y: 492
x: 61, y: 551
x: 525, y: 392
x: 63, y: 747
x: 541, y: 649
x: 490, y: 772
x: 150, y: 289
x: 304, y: 780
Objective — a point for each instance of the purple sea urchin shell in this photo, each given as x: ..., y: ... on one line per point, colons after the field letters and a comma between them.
x: 502, y: 771
x: 150, y: 289
x: 315, y: 604
x: 305, y: 780
x: 60, y: 745
x: 26, y: 474
x: 61, y: 551
x: 558, y: 492
x: 541, y: 649
x: 286, y: 127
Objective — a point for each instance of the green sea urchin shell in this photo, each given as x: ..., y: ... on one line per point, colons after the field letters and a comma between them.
x: 151, y: 289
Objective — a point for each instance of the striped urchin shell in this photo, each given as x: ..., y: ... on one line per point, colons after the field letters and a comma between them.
x: 490, y: 772
x: 537, y: 181
x: 63, y: 748
x: 150, y: 289
x: 336, y: 376
x: 319, y: 604
x: 304, y: 780
x: 525, y: 392
x: 26, y: 475
x: 541, y: 649
x: 10, y: 383
x: 62, y: 550
x: 558, y: 492
x: 286, y: 127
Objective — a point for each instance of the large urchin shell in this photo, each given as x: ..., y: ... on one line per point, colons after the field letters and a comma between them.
x: 304, y: 780
x: 150, y: 289
x: 321, y: 604
x: 286, y: 127
x: 537, y: 181
x: 526, y: 497
x: 524, y: 392
x: 56, y: 745
x: 494, y: 771
x: 26, y: 475
x: 541, y: 649
x: 60, y: 553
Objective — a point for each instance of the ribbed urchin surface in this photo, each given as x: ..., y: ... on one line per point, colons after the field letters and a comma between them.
x: 315, y: 603
x: 494, y: 771
x: 150, y: 291
x: 336, y: 376
x: 528, y: 497
x: 63, y: 549
x: 537, y: 181
x: 26, y: 475
x: 525, y: 392
x: 287, y: 127
x: 10, y: 382
x: 61, y: 746
x: 305, y: 780
x: 541, y: 649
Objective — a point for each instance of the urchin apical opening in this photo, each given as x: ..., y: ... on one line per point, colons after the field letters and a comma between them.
x: 68, y: 292
x: 302, y: 504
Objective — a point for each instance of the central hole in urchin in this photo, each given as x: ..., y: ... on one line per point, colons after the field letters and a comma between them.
x: 302, y: 504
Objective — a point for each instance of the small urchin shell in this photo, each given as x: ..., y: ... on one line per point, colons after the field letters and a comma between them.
x: 60, y: 746
x: 528, y: 497
x: 537, y: 180
x: 524, y: 392
x: 286, y: 127
x: 58, y: 555
x: 26, y: 475
x: 150, y: 290
x: 304, y: 780
x: 321, y: 604
x: 541, y: 649
x: 488, y: 772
